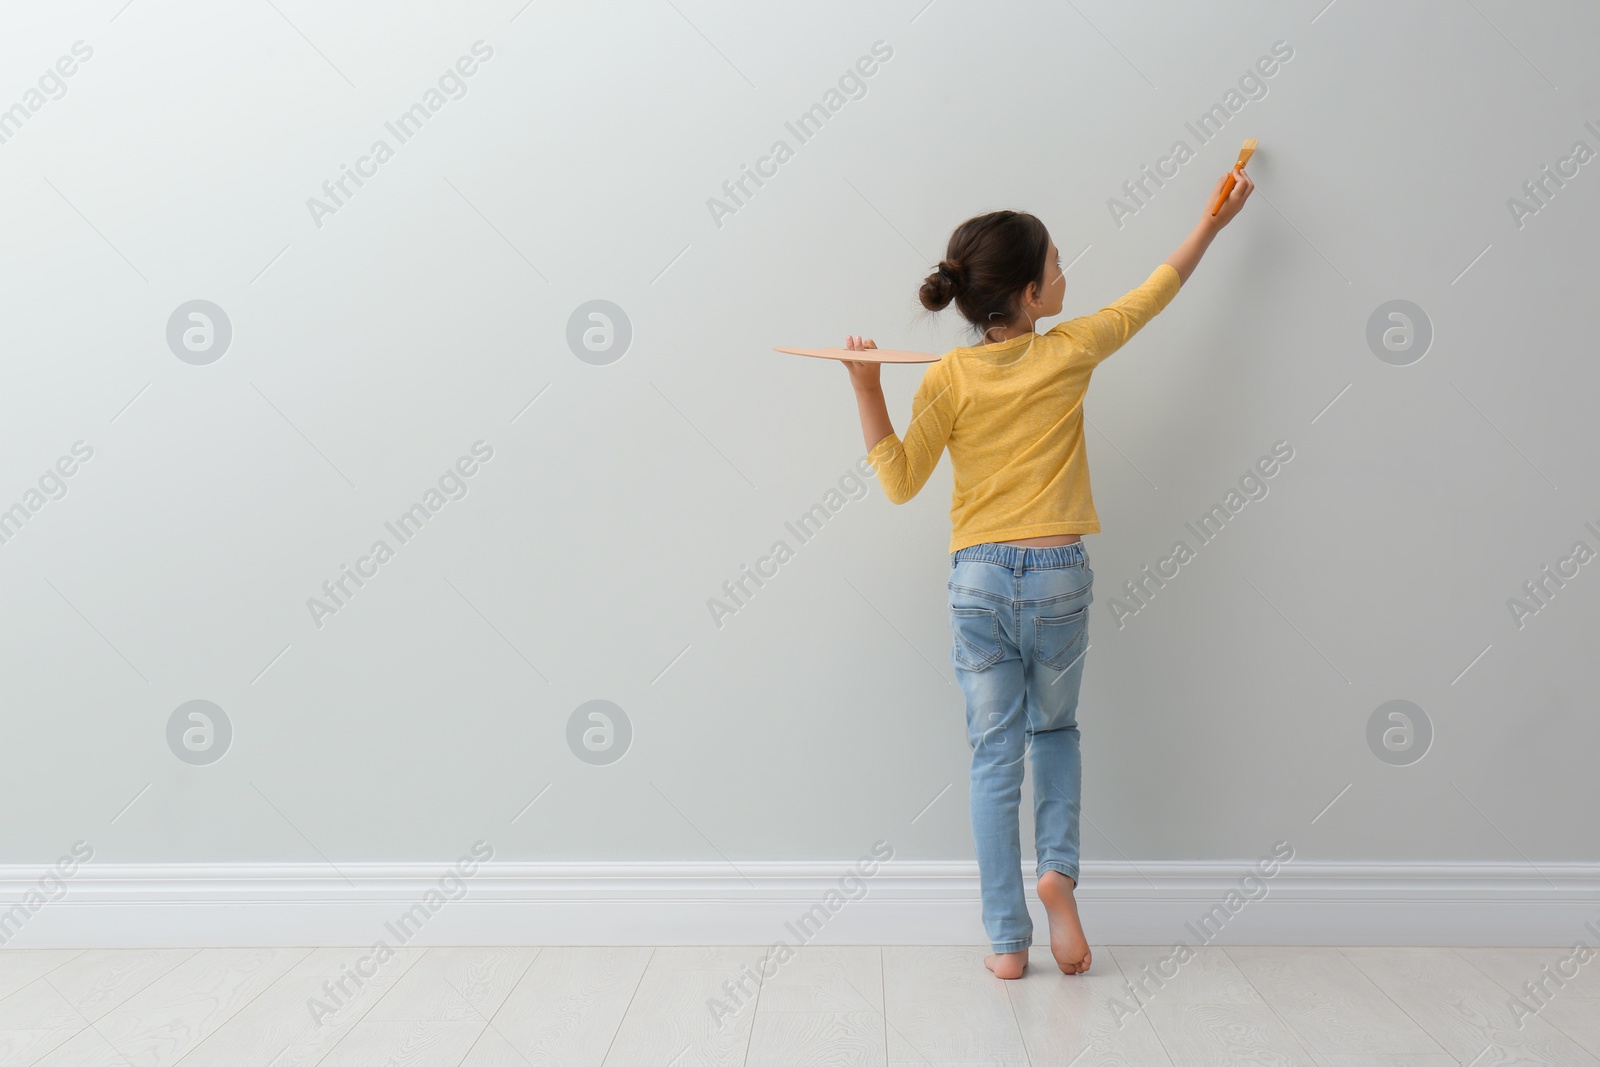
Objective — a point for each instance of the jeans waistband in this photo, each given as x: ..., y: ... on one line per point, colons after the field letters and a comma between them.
x: 1021, y: 557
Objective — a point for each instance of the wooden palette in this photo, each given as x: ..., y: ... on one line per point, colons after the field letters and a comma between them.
x: 868, y: 355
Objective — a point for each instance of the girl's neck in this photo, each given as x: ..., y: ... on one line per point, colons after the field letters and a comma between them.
x: 1000, y: 334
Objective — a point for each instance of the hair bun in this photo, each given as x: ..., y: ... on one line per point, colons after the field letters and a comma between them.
x: 948, y: 281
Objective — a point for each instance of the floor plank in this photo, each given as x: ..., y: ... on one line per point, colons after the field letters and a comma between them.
x: 98, y: 980
x: 1570, y: 1003
x: 1510, y: 968
x: 1208, y: 977
x: 1329, y: 1003
x: 1390, y: 1059
x: 670, y: 1021
x: 1465, y: 1011
x: 818, y: 1039
x: 454, y: 985
x: 164, y: 1021
x: 38, y: 1006
x: 290, y: 1025
x: 1063, y: 1015
x: 1224, y: 1035
x: 330, y: 962
x: 388, y: 1044
x: 18, y: 1048
x: 23, y: 966
x: 1578, y: 1018
x: 565, y: 1011
x: 824, y: 978
x: 942, y: 1004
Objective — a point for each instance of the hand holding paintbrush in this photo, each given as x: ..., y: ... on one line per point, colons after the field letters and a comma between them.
x: 1228, y: 183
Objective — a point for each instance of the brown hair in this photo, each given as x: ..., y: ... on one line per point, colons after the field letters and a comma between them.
x: 990, y: 262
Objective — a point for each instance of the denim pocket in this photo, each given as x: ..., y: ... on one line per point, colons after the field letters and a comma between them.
x: 1059, y: 641
x: 976, y: 637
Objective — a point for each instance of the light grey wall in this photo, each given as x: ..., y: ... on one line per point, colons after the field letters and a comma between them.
x: 372, y: 348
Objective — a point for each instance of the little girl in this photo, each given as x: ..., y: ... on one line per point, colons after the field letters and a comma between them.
x: 1010, y: 410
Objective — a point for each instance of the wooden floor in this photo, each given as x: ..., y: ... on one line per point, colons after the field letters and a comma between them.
x: 937, y: 1007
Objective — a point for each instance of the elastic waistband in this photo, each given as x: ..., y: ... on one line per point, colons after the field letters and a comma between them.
x: 1020, y: 557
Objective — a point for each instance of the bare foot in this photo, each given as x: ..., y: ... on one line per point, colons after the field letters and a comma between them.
x: 1067, y: 943
x: 1007, y: 964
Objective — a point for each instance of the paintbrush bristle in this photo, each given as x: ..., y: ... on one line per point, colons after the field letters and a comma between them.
x: 1247, y: 151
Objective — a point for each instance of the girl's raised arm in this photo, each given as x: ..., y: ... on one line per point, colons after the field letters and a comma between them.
x: 1188, y: 254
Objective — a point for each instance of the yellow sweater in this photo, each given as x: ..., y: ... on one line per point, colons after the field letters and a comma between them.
x: 1012, y: 416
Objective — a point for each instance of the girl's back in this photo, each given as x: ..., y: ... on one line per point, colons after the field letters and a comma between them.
x: 1011, y: 415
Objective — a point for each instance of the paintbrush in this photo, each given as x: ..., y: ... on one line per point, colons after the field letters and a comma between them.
x: 1245, y: 153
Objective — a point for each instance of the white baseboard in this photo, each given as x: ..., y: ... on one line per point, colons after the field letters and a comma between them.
x: 903, y: 903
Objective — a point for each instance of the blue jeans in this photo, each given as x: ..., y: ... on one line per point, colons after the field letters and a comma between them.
x: 1019, y: 627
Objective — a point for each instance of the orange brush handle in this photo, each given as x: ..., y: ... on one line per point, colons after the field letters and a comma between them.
x: 1227, y: 187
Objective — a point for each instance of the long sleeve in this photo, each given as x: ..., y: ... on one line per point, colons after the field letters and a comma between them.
x: 903, y: 465
x: 1110, y: 328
